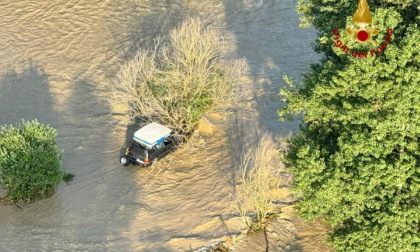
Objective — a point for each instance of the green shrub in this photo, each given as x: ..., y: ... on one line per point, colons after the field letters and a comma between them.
x: 184, y: 77
x: 29, y: 161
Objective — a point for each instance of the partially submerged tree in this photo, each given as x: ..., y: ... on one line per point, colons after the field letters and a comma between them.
x: 29, y: 161
x: 356, y: 161
x: 259, y: 184
x: 182, y: 78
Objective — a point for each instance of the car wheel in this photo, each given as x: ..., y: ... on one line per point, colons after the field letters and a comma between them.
x: 124, y: 160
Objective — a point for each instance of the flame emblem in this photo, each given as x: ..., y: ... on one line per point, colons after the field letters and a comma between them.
x: 364, y: 31
x: 362, y: 15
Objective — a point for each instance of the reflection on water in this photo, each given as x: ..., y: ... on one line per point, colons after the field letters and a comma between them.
x: 56, y: 59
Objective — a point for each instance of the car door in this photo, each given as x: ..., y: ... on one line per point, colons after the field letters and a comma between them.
x: 167, y: 146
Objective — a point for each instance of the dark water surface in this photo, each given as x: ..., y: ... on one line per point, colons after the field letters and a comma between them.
x: 57, y: 59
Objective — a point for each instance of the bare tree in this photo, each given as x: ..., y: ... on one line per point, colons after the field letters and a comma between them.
x: 259, y: 185
x: 182, y: 78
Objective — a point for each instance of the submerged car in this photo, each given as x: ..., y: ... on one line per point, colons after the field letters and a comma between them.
x: 151, y: 142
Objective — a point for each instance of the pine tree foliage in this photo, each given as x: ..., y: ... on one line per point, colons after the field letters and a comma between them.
x: 356, y: 161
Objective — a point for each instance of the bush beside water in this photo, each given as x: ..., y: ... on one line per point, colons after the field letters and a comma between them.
x: 258, y: 185
x: 29, y: 161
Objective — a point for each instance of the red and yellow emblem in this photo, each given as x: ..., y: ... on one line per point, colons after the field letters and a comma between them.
x: 363, y: 32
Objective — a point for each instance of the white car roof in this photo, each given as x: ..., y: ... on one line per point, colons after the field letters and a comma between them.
x: 151, y: 134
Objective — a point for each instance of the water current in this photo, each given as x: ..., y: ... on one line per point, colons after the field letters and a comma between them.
x: 57, y: 59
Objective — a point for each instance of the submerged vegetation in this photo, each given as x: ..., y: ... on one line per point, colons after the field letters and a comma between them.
x: 182, y: 78
x: 29, y: 161
x: 259, y: 186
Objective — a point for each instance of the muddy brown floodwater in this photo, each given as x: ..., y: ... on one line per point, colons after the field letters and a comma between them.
x: 57, y: 59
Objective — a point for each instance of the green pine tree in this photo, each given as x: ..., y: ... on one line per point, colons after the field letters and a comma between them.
x: 356, y: 161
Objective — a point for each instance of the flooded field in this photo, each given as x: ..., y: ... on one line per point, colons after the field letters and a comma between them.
x: 57, y: 59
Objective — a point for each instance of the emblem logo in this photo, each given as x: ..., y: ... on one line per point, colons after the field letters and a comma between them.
x: 361, y: 32
x: 364, y: 31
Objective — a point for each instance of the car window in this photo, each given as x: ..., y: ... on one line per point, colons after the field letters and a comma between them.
x: 160, y: 145
x: 139, y: 151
